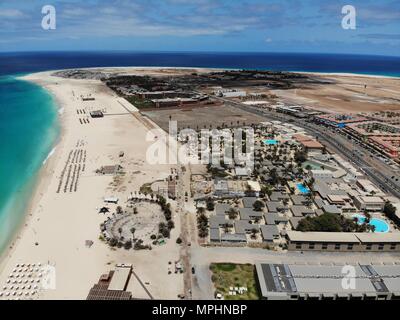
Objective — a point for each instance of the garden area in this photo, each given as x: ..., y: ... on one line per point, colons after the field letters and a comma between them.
x: 235, y: 281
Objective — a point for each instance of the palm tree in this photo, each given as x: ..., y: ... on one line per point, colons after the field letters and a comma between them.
x: 119, y: 210
x: 254, y: 233
x: 226, y: 227
x: 232, y: 213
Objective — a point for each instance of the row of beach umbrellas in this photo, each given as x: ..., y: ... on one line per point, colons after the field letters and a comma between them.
x: 23, y: 282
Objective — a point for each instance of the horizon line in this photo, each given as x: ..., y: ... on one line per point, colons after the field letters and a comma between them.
x: 196, y: 52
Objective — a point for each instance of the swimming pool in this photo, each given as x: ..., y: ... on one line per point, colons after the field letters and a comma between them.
x: 379, y: 224
x: 302, y: 188
x: 270, y: 142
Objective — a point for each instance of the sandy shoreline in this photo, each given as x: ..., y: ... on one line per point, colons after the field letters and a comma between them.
x: 39, y: 184
x: 57, y: 226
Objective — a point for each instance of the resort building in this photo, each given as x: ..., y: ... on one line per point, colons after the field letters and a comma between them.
x: 338, y: 120
x: 383, y: 137
x: 230, y: 93
x: 388, y: 145
x: 112, y: 286
x: 270, y: 233
x: 321, y: 174
x: 391, y: 117
x: 373, y: 128
x: 309, y: 143
x: 369, y: 203
x: 325, y: 281
x: 343, y: 241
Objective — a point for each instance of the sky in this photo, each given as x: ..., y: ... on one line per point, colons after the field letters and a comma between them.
x: 202, y: 25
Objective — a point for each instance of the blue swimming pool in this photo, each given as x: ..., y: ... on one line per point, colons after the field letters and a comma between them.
x: 379, y: 224
x: 302, y: 188
x: 270, y: 142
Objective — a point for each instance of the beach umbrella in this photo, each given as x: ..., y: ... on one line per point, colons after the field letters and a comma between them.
x: 5, y: 288
x: 26, y: 281
x: 8, y: 280
x: 20, y: 293
x: 1, y: 294
x: 27, y: 293
x: 19, y: 281
x: 29, y: 286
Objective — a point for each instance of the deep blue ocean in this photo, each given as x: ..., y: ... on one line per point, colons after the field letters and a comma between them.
x: 11, y: 63
x: 28, y: 114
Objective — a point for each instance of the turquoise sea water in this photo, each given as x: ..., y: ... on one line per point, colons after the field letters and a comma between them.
x: 28, y: 132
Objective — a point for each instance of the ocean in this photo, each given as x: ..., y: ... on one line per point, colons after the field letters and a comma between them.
x: 11, y: 63
x: 28, y: 131
x: 28, y: 114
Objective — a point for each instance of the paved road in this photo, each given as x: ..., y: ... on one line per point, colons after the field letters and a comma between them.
x: 182, y: 186
x: 143, y: 285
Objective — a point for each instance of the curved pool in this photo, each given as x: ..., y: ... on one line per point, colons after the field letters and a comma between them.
x: 302, y: 188
x: 379, y: 224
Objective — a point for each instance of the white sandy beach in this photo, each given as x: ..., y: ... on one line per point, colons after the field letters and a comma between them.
x: 58, y: 224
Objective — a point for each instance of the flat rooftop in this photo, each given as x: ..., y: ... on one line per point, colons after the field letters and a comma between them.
x: 277, y: 280
x: 120, y: 278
